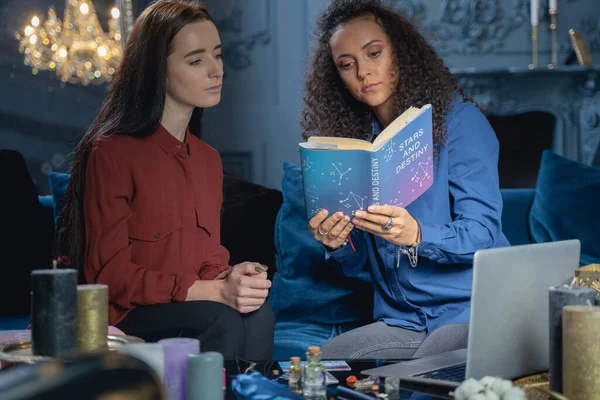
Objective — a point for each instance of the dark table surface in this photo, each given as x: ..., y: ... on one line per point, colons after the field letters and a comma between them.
x: 266, y: 368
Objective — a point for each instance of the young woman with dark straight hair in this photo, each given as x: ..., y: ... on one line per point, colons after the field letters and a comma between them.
x: 142, y: 210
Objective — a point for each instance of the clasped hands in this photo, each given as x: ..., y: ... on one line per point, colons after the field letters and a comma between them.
x: 244, y: 288
x: 333, y: 231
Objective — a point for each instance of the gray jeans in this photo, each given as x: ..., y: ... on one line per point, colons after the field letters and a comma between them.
x: 382, y: 341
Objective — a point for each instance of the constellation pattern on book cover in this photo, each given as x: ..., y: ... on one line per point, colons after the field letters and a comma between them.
x: 311, y: 196
x: 315, y: 211
x: 421, y: 172
x: 307, y: 165
x: 396, y: 202
x: 339, y: 174
x: 388, y: 151
x: 352, y: 199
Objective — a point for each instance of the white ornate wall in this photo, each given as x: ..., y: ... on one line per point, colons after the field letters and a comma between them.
x: 485, y: 42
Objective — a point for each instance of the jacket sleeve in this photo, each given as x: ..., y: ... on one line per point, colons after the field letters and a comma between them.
x: 348, y: 260
x: 474, y: 191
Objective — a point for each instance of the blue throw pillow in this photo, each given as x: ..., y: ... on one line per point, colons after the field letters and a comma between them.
x: 58, y: 186
x: 305, y: 287
x: 565, y: 205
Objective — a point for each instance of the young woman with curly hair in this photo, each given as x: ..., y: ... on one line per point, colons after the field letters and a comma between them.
x: 369, y: 65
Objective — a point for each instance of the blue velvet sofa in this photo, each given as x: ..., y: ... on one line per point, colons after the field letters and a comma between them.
x: 313, y: 304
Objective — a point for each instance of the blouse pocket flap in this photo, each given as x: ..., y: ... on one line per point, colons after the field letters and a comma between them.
x: 153, y: 227
x: 204, y: 219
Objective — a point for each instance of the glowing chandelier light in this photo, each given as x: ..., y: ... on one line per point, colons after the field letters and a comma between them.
x: 77, y: 47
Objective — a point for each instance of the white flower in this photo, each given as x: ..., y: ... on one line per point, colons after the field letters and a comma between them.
x: 490, y: 395
x: 478, y: 396
x: 488, y: 388
x: 500, y: 386
x: 488, y: 381
x: 514, y: 393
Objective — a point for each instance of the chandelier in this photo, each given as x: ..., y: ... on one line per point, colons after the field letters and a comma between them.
x: 77, y: 47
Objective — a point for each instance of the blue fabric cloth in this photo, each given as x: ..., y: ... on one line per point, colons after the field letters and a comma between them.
x: 58, y: 186
x: 293, y: 338
x: 254, y: 386
x: 14, y: 323
x: 459, y: 214
x: 565, y: 204
x: 46, y: 201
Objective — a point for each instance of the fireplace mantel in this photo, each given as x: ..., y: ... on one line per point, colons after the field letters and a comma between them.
x: 570, y: 93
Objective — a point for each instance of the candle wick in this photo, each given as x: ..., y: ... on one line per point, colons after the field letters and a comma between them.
x: 589, y: 302
x: 573, y: 282
x: 54, y: 264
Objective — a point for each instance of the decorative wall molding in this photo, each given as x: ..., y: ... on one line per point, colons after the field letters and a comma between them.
x: 238, y: 48
x: 570, y: 94
x: 478, y: 27
x: 238, y: 163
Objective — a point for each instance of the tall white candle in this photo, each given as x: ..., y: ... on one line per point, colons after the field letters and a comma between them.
x: 535, y: 12
x: 554, y: 4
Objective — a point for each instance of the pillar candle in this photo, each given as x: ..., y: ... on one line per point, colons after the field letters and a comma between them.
x: 92, y: 317
x: 561, y: 296
x: 535, y: 12
x: 205, y: 376
x: 53, y: 311
x: 176, y: 352
x: 150, y: 353
x: 581, y: 352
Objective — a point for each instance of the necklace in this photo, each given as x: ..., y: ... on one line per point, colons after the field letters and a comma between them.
x: 372, y: 129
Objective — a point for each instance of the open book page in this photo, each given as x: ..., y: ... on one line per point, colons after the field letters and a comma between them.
x: 396, y: 126
x: 341, y: 143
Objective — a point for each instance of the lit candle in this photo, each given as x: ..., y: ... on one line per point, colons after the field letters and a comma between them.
x: 581, y: 353
x: 176, y: 352
x: 554, y: 4
x: 53, y: 311
x: 535, y: 12
x: 204, y: 376
x: 559, y: 297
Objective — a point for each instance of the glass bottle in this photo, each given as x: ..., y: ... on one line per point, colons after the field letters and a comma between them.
x: 314, y: 385
x: 295, y: 373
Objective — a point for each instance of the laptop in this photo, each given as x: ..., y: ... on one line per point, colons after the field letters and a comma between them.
x: 509, y: 323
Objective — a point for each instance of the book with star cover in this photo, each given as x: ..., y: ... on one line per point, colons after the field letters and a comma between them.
x: 344, y: 174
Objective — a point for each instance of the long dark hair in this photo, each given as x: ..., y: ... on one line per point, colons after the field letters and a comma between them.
x: 133, y: 106
x: 330, y: 110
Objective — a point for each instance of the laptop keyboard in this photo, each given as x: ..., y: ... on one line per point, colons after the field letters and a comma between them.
x: 455, y: 373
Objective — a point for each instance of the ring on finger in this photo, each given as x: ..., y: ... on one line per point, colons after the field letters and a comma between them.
x: 388, y: 225
x: 321, y: 232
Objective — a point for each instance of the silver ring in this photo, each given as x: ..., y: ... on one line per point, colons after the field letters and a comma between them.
x: 388, y: 225
x: 321, y: 233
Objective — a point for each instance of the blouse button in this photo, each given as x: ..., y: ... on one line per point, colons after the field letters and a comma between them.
x: 157, y: 235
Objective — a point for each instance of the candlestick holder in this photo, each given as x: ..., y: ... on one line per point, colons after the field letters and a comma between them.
x: 534, y: 47
x: 553, y: 27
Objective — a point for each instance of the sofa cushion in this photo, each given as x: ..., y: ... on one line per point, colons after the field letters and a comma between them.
x: 565, y: 205
x: 515, y: 215
x: 58, y: 182
x: 248, y: 220
x: 306, y: 288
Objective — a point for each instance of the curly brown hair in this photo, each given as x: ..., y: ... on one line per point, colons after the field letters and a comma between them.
x: 330, y: 110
